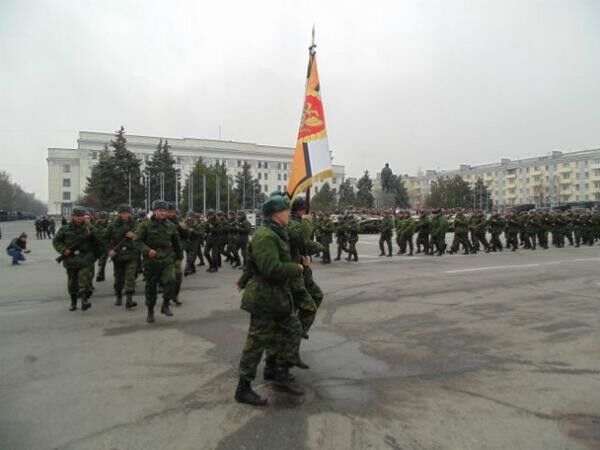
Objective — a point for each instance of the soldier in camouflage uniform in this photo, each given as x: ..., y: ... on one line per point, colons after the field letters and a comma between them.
x: 352, y: 230
x: 461, y: 234
x: 341, y: 236
x: 267, y: 296
x: 406, y: 233
x: 327, y: 230
x: 512, y: 228
x: 124, y: 255
x: 495, y: 225
x: 385, y: 236
x: 100, y: 230
x: 243, y: 227
x: 79, y: 247
x: 232, y: 240
x: 211, y: 250
x: 191, y: 244
x: 422, y: 230
x: 183, y: 233
x: 158, y: 241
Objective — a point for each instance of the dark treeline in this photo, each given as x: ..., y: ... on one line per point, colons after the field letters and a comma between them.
x: 14, y: 199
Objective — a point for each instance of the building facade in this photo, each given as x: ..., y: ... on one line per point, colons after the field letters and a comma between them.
x: 550, y: 180
x: 69, y: 168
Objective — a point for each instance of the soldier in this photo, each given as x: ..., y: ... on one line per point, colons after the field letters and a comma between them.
x: 496, y: 226
x: 211, y: 250
x: 101, y: 231
x: 158, y: 241
x: 268, y: 298
x: 478, y: 230
x: 124, y: 255
x: 352, y: 236
x: 406, y: 237
x: 341, y: 236
x: 191, y: 245
x: 232, y: 238
x: 438, y: 229
x: 422, y: 227
x: 544, y: 224
x: 183, y: 233
x: 512, y: 228
x: 201, y: 229
x: 78, y: 248
x: 387, y: 231
x: 327, y: 230
x: 300, y: 231
x: 244, y: 227
x: 399, y: 228
x: 461, y: 234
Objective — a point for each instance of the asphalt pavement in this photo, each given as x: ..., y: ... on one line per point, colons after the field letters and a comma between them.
x: 486, y: 351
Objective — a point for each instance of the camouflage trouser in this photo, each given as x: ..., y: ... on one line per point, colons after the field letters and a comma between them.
x: 79, y: 281
x: 406, y: 239
x: 242, y: 245
x: 326, y: 252
x: 479, y: 237
x: 341, y: 244
x: 280, y: 337
x: 162, y: 272
x: 460, y: 239
x: 308, y: 296
x: 512, y: 239
x: 125, y: 275
x: 352, y: 253
x: 385, y: 239
x: 495, y: 241
x: 178, y: 277
x: 422, y: 240
x: 543, y: 238
x: 102, y: 264
x: 232, y: 249
x: 190, y: 258
x: 199, y: 253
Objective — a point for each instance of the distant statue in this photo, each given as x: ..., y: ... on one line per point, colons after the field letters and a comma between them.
x: 386, y: 178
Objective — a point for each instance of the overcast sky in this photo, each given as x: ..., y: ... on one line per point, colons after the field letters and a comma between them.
x: 416, y: 83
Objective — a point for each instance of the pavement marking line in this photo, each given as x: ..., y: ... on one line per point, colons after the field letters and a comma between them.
x: 519, y: 266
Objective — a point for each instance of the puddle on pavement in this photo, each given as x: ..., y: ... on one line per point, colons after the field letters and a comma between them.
x: 340, y: 371
x: 583, y: 429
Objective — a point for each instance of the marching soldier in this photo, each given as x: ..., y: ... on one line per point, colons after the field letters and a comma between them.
x: 352, y: 236
x: 158, y: 241
x: 268, y: 298
x: 340, y: 236
x: 183, y: 233
x: 385, y: 236
x: 244, y: 227
x: 125, y: 257
x: 101, y: 231
x: 327, y: 230
x: 78, y: 247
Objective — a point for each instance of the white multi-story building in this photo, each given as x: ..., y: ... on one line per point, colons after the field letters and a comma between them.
x: 69, y: 168
x: 549, y: 180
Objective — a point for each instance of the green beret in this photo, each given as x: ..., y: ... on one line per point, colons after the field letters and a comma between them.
x: 159, y: 204
x: 79, y: 212
x: 275, y: 203
x: 124, y: 208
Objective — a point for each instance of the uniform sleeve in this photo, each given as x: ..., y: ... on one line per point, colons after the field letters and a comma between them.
x: 266, y: 258
x: 59, y: 241
x: 177, y: 247
x: 138, y: 240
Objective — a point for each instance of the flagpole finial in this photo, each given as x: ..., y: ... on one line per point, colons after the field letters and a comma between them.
x: 312, y: 45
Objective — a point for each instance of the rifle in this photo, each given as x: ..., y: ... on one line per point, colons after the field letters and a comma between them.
x: 80, y: 240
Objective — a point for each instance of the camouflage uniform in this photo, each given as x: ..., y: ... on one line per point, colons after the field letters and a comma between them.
x: 387, y: 231
x: 268, y: 298
x: 125, y: 262
x: 461, y: 236
x: 81, y: 241
x: 352, y: 233
x: 161, y: 236
x: 101, y: 231
x: 243, y: 227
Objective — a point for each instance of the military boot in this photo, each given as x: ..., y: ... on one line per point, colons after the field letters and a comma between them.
x: 119, y: 300
x: 301, y: 364
x: 165, y: 309
x: 129, y: 303
x: 73, y: 306
x: 245, y: 394
x: 177, y: 301
x: 281, y: 380
x: 150, y: 316
x: 85, y: 303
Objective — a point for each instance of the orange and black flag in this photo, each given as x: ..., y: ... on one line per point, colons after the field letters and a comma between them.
x: 312, y: 158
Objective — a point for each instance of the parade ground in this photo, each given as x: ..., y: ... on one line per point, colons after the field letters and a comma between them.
x: 489, y: 351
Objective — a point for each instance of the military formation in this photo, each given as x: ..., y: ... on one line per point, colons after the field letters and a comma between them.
x: 279, y: 290
x: 474, y: 231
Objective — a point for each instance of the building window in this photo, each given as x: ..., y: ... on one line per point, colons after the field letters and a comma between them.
x: 565, y: 164
x: 334, y: 180
x: 278, y: 177
x: 66, y: 196
x: 93, y: 155
x: 265, y: 165
x: 279, y: 165
x: 266, y: 188
x: 66, y: 168
x: 285, y: 166
x: 285, y: 177
x: 66, y: 182
x: 259, y: 165
x: 266, y: 175
x: 239, y: 163
x: 566, y: 176
x: 259, y: 175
